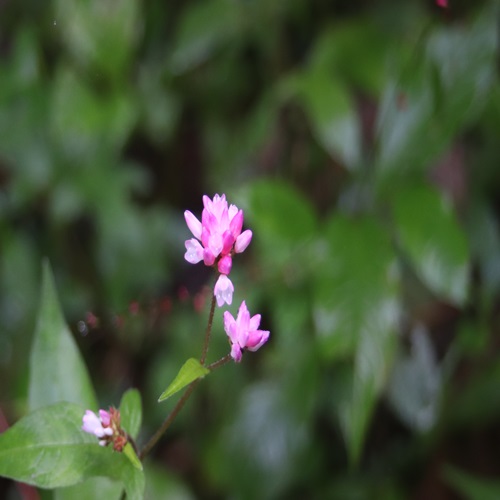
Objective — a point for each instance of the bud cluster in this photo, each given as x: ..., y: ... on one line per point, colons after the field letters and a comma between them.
x: 106, y: 427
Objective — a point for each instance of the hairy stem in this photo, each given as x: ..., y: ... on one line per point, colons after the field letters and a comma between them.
x: 220, y: 362
x: 168, y: 421
x: 208, y: 331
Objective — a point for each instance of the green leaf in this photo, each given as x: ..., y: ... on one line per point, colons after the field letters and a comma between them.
x: 203, y: 27
x: 355, y: 284
x: 271, y: 207
x: 415, y: 385
x: 361, y: 41
x: 48, y: 449
x: 332, y: 113
x: 465, y: 58
x: 100, y: 36
x: 190, y: 371
x: 408, y: 119
x: 84, y: 125
x: 131, y: 412
x: 471, y: 487
x: 129, y: 452
x: 97, y: 487
x: 430, y: 236
x: 441, y: 85
x: 57, y: 370
x: 356, y: 313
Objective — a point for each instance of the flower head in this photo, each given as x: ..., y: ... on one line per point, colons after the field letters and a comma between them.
x: 106, y: 427
x: 243, y: 332
x: 216, y: 239
x: 219, y: 231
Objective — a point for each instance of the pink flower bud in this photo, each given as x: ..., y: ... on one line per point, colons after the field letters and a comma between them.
x: 225, y: 264
x: 223, y: 290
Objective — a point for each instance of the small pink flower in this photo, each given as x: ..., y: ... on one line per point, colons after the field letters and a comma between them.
x: 223, y: 290
x: 442, y: 3
x: 217, y: 237
x: 243, y: 332
x: 106, y: 427
x: 94, y: 425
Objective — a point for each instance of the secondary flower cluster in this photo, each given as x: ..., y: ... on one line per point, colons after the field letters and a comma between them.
x: 106, y: 427
x: 216, y: 239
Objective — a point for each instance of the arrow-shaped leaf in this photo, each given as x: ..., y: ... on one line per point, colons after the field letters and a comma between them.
x: 190, y: 371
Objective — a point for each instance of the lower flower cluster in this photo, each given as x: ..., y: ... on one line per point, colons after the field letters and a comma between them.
x: 106, y: 427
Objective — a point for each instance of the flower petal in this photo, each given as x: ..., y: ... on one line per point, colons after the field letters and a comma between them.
x: 229, y: 325
x: 242, y: 241
x: 193, y: 224
x: 254, y: 322
x: 105, y: 418
x: 236, y: 224
x: 92, y: 424
x: 257, y: 339
x: 236, y: 352
x: 194, y: 251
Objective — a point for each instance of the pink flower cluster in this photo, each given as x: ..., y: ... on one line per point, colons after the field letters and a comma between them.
x: 106, y: 427
x: 243, y: 332
x: 220, y: 235
x: 216, y: 239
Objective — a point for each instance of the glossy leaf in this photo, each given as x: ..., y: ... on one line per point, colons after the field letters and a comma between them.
x: 407, y: 120
x: 57, y: 370
x: 190, y: 371
x: 437, y: 90
x: 333, y: 116
x: 415, y: 384
x: 465, y: 58
x: 271, y: 206
x: 48, y: 449
x: 361, y: 41
x: 355, y: 284
x: 431, y: 238
x: 356, y: 313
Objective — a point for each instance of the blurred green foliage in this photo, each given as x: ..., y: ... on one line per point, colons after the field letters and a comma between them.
x: 361, y: 138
